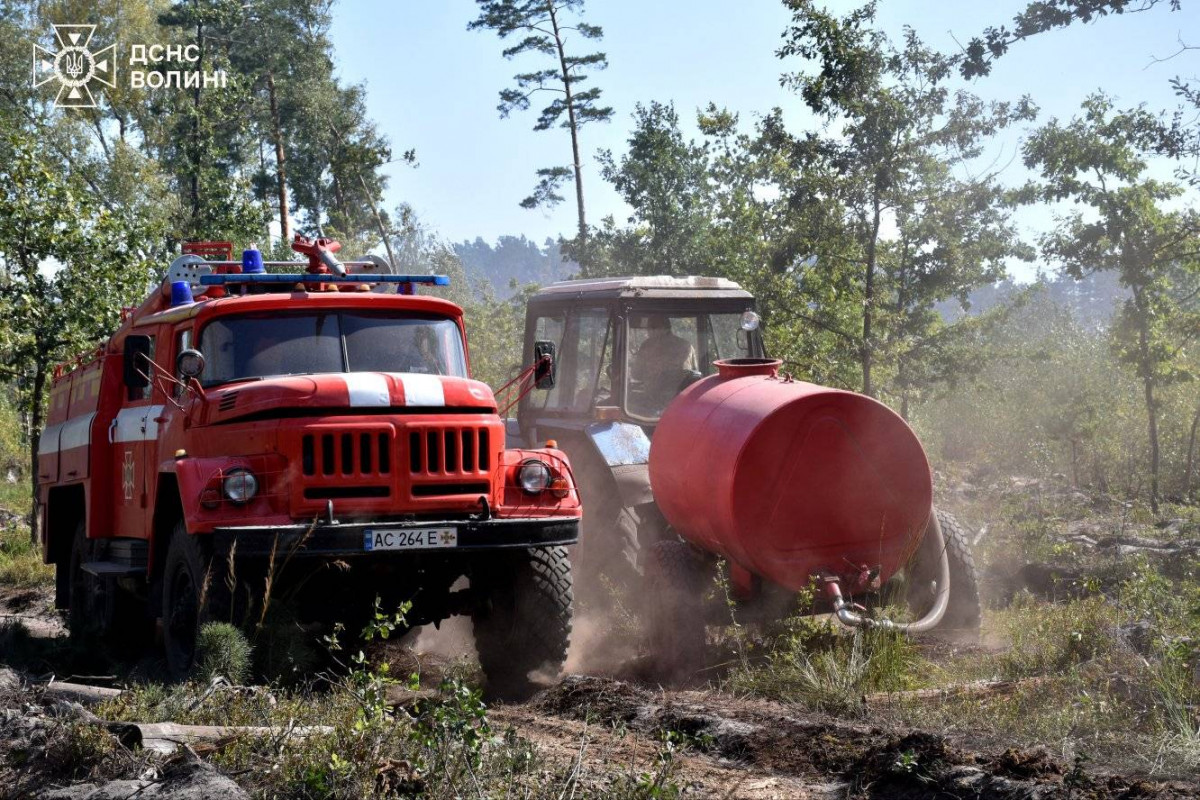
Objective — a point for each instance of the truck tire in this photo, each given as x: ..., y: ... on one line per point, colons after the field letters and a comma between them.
x: 522, y: 618
x: 90, y: 610
x: 185, y: 575
x: 676, y: 620
x: 965, y: 610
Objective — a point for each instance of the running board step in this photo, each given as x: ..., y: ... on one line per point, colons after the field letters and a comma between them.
x: 111, y: 569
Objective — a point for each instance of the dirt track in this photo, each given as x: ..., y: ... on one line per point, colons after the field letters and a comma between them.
x: 754, y: 749
x: 723, y: 746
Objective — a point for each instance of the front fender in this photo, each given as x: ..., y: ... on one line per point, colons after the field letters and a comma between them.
x: 203, y: 502
x: 625, y: 449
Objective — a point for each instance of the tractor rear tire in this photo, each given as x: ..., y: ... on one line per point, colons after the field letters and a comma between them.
x: 965, y: 610
x: 676, y: 622
x: 523, y: 618
x: 188, y: 588
x: 607, y: 557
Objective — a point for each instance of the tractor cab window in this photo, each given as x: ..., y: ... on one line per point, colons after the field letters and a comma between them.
x: 583, y: 340
x: 668, y: 350
x: 252, y: 347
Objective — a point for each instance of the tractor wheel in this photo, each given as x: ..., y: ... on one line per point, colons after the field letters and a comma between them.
x: 523, y: 617
x: 608, y: 557
x: 90, y: 611
x: 964, y: 611
x: 676, y: 632
x: 187, y: 588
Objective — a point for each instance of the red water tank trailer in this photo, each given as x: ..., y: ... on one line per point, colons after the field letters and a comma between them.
x: 790, y: 480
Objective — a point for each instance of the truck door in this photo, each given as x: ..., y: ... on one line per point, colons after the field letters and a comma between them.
x: 133, y: 434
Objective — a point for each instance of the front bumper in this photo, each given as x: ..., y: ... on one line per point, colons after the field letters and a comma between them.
x: 343, y: 539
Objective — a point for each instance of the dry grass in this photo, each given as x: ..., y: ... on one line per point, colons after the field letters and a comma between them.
x: 21, y: 564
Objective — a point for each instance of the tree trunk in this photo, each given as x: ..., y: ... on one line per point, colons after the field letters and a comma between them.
x: 1152, y: 427
x: 1074, y: 464
x: 571, y: 123
x: 285, y: 231
x: 195, y: 182
x: 1191, y: 456
x: 1146, y: 367
x: 869, y: 300
x: 35, y: 430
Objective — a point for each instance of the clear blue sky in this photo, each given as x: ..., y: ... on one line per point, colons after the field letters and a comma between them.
x: 432, y: 86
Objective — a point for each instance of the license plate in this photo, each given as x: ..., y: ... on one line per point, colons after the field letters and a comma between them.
x: 408, y: 538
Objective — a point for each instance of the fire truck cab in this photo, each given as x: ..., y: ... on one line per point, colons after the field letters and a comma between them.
x: 247, y: 437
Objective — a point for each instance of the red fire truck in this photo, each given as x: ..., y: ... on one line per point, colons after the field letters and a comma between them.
x: 316, y: 433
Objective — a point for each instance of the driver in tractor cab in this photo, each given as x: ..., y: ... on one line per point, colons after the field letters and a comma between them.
x: 660, y: 363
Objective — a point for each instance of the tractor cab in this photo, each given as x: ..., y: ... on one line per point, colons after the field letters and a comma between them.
x: 623, y: 349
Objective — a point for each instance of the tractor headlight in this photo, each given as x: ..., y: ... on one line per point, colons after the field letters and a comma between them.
x: 534, y: 476
x: 240, y: 486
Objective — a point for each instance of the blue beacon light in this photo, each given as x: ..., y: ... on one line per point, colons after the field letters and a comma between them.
x: 181, y: 293
x: 252, y: 261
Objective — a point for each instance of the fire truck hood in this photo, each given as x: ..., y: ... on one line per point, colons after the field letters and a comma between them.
x: 348, y: 393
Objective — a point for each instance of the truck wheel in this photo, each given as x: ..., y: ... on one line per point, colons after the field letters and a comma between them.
x: 676, y: 634
x: 184, y: 578
x: 523, y: 618
x: 90, y: 608
x: 965, y: 609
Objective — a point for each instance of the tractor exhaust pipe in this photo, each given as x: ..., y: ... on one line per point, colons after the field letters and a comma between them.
x: 850, y: 615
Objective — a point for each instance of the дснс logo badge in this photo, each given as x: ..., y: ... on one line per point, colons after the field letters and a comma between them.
x: 74, y: 66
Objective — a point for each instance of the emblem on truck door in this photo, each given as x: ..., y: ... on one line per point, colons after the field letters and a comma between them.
x: 127, y: 475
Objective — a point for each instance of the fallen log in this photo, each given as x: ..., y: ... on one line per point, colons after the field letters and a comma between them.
x: 80, y: 692
x: 167, y: 737
x: 959, y: 690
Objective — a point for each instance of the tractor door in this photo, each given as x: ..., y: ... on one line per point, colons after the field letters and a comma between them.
x: 584, y: 340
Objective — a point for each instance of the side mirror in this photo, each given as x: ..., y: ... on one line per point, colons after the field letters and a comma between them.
x: 547, y: 367
x: 189, y: 364
x: 137, y: 361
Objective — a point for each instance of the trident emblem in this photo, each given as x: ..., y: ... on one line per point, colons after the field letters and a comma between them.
x: 74, y: 66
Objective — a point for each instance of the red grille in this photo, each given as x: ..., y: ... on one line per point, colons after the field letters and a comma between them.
x: 449, y: 451
x: 351, y: 453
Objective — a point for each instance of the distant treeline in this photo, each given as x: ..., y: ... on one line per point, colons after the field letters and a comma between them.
x: 512, y: 262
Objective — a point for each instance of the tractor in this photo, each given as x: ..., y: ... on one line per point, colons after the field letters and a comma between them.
x: 696, y: 457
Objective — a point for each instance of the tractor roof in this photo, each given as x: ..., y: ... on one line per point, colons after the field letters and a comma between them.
x: 649, y: 287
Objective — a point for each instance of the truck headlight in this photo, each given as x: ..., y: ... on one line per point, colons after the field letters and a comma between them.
x: 240, y: 486
x: 534, y: 476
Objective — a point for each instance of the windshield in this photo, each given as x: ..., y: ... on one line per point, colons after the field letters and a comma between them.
x: 265, y: 345
x: 667, y: 351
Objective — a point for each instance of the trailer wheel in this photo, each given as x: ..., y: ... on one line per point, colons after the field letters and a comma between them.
x: 522, y: 618
x: 676, y: 632
x: 965, y: 609
x: 185, y: 575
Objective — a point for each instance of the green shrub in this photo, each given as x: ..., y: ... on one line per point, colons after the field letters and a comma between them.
x: 828, y: 668
x: 222, y: 649
x: 1049, y: 638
